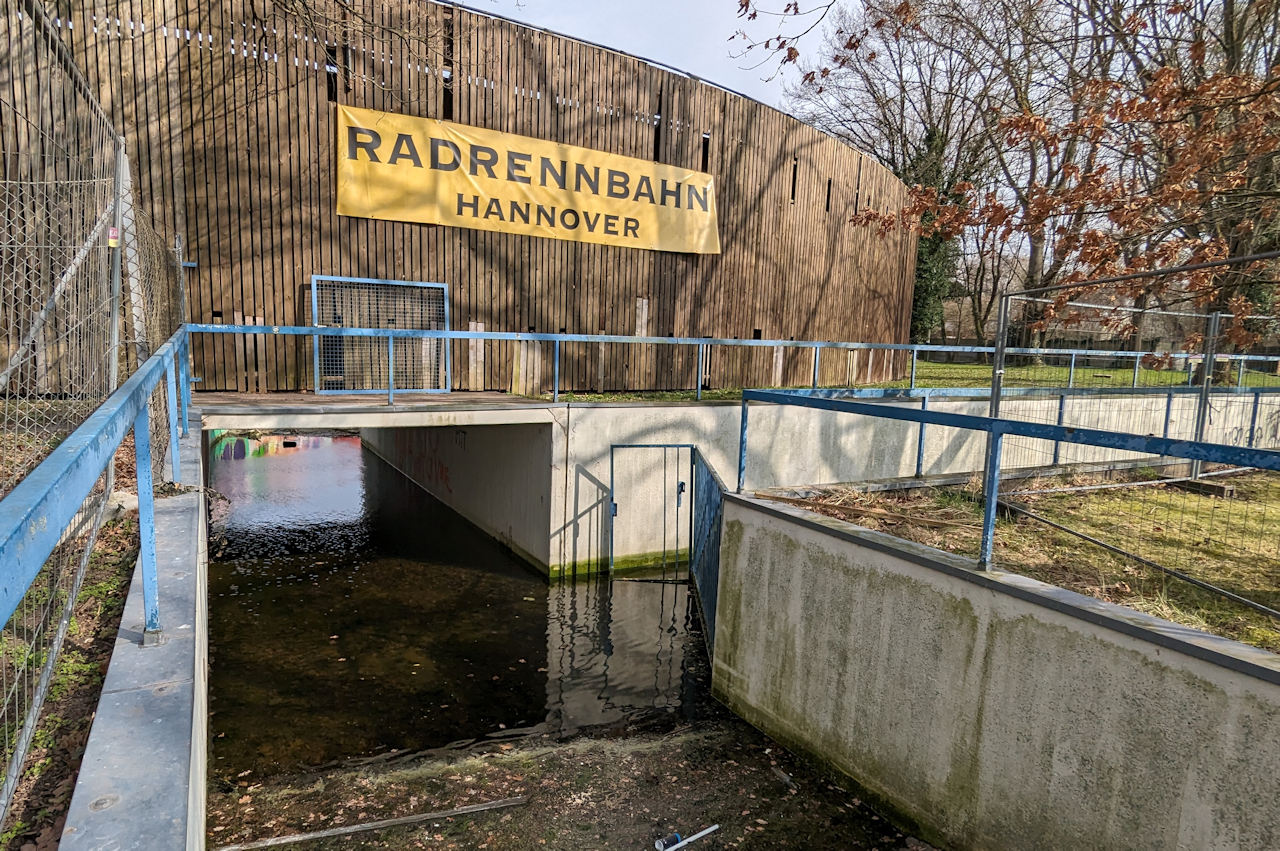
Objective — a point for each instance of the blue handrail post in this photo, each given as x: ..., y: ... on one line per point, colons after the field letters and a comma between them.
x: 555, y: 388
x: 184, y: 373
x: 171, y: 397
x: 817, y: 357
x: 924, y: 406
x: 1168, y: 414
x: 391, y: 370
x: 990, y: 498
x: 1253, y: 418
x: 1062, y: 412
x: 701, y: 354
x: 742, y: 447
x: 1071, y: 371
x: 146, y: 524
x: 915, y: 353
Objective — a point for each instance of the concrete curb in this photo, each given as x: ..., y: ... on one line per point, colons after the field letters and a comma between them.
x: 142, y: 780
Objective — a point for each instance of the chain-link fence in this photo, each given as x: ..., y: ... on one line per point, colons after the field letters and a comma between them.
x: 1188, y: 540
x: 65, y: 279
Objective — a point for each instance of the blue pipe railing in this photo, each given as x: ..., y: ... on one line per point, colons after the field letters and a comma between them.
x: 701, y: 344
x: 998, y: 429
x: 36, y: 513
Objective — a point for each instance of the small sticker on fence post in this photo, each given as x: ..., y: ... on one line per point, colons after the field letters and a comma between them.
x: 113, y: 237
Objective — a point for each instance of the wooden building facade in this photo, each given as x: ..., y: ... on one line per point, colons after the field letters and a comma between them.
x: 229, y: 109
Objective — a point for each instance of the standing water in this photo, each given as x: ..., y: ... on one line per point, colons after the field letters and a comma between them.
x: 352, y: 614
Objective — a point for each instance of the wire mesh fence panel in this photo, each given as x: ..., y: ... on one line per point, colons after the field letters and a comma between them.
x: 1186, y: 541
x: 365, y: 364
x: 31, y: 639
x: 1115, y: 367
x: 62, y: 188
x: 58, y: 156
x: 1202, y: 552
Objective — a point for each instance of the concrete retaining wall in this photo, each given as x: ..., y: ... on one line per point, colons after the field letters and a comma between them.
x: 544, y: 489
x: 498, y: 477
x: 992, y: 710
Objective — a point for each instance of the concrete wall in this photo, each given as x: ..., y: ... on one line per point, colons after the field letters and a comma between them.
x: 498, y: 477
x: 992, y: 710
x: 544, y: 489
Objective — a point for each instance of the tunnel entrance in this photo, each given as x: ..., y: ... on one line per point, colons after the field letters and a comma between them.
x: 352, y: 614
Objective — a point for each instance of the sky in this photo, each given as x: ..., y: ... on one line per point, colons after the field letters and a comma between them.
x: 690, y: 35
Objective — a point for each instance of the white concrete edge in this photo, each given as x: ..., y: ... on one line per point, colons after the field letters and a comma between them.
x: 1234, y: 655
x: 197, y: 792
x: 388, y: 417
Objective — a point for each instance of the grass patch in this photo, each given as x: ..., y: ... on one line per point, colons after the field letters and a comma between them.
x: 975, y: 375
x: 1232, y: 543
x: 39, y: 806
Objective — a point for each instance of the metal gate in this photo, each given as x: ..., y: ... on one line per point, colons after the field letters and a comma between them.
x: 650, y: 524
x: 665, y: 518
x: 365, y: 364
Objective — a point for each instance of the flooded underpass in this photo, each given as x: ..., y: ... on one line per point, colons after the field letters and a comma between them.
x: 373, y: 655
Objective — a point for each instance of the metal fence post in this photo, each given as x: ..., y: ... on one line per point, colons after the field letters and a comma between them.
x: 555, y: 388
x: 146, y: 524
x: 1253, y: 418
x: 171, y: 397
x: 991, y: 497
x: 924, y: 406
x: 997, y: 367
x: 1168, y: 414
x: 914, y: 355
x: 178, y: 248
x: 184, y: 371
x: 1062, y: 411
x: 1137, y: 365
x: 116, y: 244
x: 817, y: 356
x: 701, y: 351
x: 742, y: 447
x: 1206, y: 384
x: 391, y: 370
x: 1240, y: 372
x: 1071, y: 371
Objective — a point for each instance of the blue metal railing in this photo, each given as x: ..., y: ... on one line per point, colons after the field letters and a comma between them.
x: 998, y: 429
x: 702, y: 345
x: 35, y: 514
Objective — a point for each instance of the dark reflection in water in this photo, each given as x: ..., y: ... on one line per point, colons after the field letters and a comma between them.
x: 352, y: 613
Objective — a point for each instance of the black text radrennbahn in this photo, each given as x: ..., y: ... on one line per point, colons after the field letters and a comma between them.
x: 517, y: 167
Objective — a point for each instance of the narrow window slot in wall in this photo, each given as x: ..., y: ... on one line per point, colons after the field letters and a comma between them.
x: 828, y: 195
x: 657, y: 130
x: 795, y: 175
x: 446, y: 74
x: 331, y: 71
x: 706, y: 150
x: 857, y: 188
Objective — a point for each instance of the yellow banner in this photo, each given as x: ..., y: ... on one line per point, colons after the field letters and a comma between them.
x: 409, y: 169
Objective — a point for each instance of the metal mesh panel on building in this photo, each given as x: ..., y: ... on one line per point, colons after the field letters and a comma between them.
x: 364, y: 364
